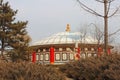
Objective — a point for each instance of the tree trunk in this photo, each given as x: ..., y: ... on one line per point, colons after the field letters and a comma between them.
x: 105, y: 27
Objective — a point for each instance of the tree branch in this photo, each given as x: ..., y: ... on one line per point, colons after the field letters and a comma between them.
x: 89, y: 9
x: 114, y: 12
x: 114, y: 32
x: 100, y: 1
x: 111, y: 1
x: 108, y: 7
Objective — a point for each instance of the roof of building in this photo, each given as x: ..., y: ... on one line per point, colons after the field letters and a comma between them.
x: 66, y: 38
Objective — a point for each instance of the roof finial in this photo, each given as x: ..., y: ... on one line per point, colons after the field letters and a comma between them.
x: 68, y: 28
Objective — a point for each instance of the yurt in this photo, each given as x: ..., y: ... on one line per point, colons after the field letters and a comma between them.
x: 66, y: 46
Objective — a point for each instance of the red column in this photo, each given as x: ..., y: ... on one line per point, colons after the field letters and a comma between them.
x: 78, y: 53
x: 77, y: 56
x: 51, y: 55
x: 34, y: 56
x: 99, y: 51
x: 109, y: 51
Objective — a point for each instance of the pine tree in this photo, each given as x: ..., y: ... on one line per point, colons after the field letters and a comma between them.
x: 13, y: 34
x: 19, y: 40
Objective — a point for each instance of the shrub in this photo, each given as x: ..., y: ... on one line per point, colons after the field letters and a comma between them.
x: 103, y: 68
x: 28, y: 71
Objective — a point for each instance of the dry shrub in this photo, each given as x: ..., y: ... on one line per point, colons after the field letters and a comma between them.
x: 28, y: 71
x: 103, y: 68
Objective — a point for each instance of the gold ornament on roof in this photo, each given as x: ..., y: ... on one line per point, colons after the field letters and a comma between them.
x: 68, y: 28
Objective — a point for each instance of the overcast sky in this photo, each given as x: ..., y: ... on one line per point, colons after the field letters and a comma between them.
x: 47, y: 17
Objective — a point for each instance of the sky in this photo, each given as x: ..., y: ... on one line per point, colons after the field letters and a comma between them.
x: 47, y: 17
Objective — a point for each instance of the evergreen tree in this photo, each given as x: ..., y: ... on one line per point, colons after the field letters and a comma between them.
x: 13, y: 34
x: 19, y: 41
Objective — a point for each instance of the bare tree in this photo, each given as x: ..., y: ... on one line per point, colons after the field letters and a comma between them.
x: 97, y: 34
x: 83, y: 31
x: 107, y: 7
